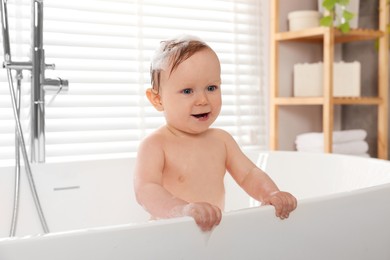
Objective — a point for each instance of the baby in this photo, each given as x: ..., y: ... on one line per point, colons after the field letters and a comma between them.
x: 181, y: 166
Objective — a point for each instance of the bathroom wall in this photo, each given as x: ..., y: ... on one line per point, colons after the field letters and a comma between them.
x: 294, y: 120
x: 364, y: 116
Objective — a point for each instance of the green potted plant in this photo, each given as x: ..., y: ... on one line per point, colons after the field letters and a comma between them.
x: 336, y: 14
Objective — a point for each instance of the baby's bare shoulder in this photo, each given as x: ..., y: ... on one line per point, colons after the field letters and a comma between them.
x: 153, y: 141
x: 220, y: 134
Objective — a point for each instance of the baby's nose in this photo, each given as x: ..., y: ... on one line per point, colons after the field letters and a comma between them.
x: 202, y: 99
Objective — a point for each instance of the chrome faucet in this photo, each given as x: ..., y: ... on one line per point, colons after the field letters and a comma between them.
x: 39, y: 84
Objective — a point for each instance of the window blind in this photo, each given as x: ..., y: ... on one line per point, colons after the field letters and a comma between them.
x: 104, y: 47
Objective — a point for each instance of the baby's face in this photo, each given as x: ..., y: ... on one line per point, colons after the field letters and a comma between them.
x: 191, y: 94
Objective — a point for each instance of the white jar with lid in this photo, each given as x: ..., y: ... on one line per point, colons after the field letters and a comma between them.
x: 299, y: 20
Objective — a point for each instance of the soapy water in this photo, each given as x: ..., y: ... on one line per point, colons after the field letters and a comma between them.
x: 160, y: 60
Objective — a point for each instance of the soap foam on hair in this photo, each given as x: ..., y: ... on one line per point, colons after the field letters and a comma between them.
x: 161, y: 56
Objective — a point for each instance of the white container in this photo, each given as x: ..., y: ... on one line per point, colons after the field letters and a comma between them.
x: 308, y: 79
x: 299, y: 20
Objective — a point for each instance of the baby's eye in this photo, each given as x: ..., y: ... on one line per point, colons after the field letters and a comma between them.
x: 212, y: 88
x: 187, y: 91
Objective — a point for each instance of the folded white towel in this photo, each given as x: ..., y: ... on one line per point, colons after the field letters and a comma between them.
x: 355, y: 147
x: 317, y: 139
x: 366, y: 155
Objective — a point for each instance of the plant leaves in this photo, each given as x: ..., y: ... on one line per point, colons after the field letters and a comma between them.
x: 326, y: 21
x: 348, y: 16
x: 329, y: 4
x: 343, y: 2
x: 344, y: 28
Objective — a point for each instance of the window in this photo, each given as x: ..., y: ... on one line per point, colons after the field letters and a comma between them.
x: 103, y: 47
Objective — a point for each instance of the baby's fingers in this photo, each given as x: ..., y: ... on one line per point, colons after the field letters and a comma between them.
x: 289, y: 204
x: 209, y: 217
x: 283, y: 202
x: 281, y: 207
x: 205, y: 215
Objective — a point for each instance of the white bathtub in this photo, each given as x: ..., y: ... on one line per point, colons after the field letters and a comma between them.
x: 343, y: 213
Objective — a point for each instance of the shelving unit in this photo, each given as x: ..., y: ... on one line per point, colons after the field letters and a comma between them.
x: 328, y: 37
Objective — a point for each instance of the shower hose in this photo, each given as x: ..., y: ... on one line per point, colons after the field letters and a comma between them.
x: 20, y: 144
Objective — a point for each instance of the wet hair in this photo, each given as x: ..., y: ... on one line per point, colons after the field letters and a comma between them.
x: 172, y: 53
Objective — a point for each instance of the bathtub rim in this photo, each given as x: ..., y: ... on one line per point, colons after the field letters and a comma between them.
x: 138, y: 225
x: 249, y: 152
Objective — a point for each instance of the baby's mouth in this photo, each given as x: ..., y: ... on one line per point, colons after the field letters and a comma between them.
x: 203, y: 115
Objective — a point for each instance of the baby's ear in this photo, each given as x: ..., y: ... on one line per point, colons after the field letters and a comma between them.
x: 155, y: 99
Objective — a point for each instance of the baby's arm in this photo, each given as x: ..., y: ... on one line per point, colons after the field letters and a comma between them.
x: 256, y: 182
x: 261, y: 187
x: 160, y: 203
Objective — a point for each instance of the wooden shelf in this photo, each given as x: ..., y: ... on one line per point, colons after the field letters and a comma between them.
x: 317, y: 34
x: 357, y: 101
x: 295, y: 101
x: 328, y: 37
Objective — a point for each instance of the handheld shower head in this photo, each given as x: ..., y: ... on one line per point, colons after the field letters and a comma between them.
x: 5, y: 31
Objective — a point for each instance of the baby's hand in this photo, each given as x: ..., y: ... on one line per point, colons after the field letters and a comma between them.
x: 206, y: 215
x: 283, y: 202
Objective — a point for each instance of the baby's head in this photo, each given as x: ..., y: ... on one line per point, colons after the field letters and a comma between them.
x: 171, y: 54
x: 186, y: 81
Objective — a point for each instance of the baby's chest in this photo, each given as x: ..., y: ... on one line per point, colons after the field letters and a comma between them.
x: 194, y: 172
x: 200, y: 160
